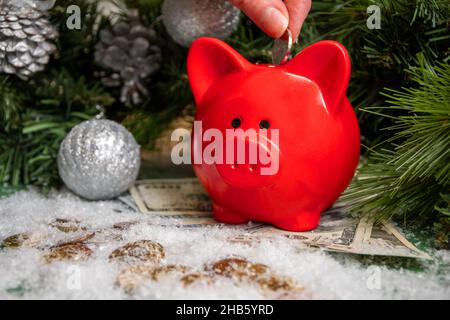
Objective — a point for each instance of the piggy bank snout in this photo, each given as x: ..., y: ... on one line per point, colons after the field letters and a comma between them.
x: 253, y: 163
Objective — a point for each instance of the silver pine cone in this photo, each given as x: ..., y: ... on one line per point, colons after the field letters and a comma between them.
x: 25, y: 35
x: 128, y: 53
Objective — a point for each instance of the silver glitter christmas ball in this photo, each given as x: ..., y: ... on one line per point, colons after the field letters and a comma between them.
x: 187, y: 20
x: 42, y: 5
x: 99, y: 159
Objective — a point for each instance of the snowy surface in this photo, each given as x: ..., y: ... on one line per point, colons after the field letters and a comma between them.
x: 24, y: 274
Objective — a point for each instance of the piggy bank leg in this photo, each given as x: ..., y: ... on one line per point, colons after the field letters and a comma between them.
x: 301, y: 221
x: 223, y: 215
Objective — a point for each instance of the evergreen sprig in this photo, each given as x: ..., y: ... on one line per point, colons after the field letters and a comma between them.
x: 10, y: 105
x: 35, y: 116
x: 409, y: 175
x: 28, y: 152
x: 380, y: 56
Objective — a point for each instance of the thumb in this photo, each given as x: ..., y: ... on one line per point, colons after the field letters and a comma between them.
x: 270, y: 15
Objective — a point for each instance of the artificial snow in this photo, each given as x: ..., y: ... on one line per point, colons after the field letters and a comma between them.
x: 322, y: 275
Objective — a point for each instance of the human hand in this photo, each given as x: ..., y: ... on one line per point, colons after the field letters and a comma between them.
x: 275, y: 16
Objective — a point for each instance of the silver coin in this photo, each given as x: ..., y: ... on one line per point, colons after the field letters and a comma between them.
x: 282, y: 48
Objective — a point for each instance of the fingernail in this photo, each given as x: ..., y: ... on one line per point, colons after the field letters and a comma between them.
x: 274, y: 22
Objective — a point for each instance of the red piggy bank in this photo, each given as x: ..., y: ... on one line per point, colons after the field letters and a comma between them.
x: 296, y: 116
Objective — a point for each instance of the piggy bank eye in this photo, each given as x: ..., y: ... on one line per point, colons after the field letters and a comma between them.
x: 264, y: 124
x: 236, y: 122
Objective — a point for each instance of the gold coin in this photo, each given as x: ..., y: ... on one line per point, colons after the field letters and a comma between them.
x: 77, y: 240
x: 276, y: 283
x: 70, y: 252
x: 95, y: 237
x: 164, y: 270
x: 16, y: 241
x: 194, y: 277
x: 139, y: 251
x: 106, y: 236
x: 131, y: 278
x: 239, y: 268
x: 257, y: 273
x: 67, y: 225
x: 23, y: 240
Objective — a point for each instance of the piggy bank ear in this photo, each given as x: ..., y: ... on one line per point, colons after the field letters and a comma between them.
x: 210, y: 59
x: 326, y: 63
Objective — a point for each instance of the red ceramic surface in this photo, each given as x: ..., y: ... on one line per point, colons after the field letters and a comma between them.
x: 318, y: 147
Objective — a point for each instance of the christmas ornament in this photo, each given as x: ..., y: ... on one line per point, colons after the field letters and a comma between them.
x: 299, y: 144
x: 99, y: 159
x: 129, y: 54
x: 25, y: 35
x: 41, y: 5
x: 188, y: 20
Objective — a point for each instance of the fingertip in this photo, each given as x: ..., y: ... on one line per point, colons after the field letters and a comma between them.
x: 273, y: 22
x: 270, y: 15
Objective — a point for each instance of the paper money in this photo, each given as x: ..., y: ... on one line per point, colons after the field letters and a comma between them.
x: 185, y: 203
x: 128, y: 201
x: 171, y: 197
x: 336, y: 230
x: 383, y: 239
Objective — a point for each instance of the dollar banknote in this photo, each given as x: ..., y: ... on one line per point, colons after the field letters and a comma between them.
x: 188, y: 205
x: 171, y: 197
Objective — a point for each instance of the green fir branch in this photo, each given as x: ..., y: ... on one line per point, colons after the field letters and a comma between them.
x: 409, y: 179
x: 10, y: 106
